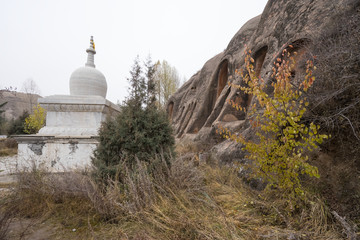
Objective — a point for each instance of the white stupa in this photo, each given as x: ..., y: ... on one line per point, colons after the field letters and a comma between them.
x: 88, y: 80
x: 72, y: 122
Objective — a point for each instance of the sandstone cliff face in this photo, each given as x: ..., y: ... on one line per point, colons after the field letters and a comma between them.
x: 201, y: 103
x: 329, y: 30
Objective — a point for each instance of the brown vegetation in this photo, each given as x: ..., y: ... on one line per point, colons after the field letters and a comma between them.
x: 8, y: 147
x: 335, y: 106
x: 184, y: 201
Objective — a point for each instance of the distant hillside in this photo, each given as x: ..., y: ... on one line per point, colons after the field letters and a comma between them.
x: 17, y: 103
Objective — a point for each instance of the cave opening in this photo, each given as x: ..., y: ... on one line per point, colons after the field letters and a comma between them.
x: 298, y: 51
x: 222, y: 77
x: 259, y: 58
x: 170, y: 109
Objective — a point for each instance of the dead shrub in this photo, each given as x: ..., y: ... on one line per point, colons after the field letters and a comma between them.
x: 10, y: 143
x: 6, y: 216
x: 39, y: 194
x: 144, y: 184
x: 335, y: 97
x: 335, y: 106
x: 8, y: 147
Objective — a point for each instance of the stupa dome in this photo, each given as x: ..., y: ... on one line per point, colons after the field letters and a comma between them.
x: 88, y: 80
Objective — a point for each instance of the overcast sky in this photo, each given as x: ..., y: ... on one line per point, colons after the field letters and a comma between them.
x: 45, y: 40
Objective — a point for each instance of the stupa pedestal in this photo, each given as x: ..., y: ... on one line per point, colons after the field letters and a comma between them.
x: 70, y: 136
x: 75, y: 115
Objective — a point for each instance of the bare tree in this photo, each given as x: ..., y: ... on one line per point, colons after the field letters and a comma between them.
x: 31, y: 89
x: 167, y: 81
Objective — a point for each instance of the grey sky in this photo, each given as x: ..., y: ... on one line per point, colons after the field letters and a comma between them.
x: 46, y: 39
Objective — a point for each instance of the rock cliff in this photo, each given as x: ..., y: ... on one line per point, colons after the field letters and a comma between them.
x: 201, y: 102
x: 327, y: 32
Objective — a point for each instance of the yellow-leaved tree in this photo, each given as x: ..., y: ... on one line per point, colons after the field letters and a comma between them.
x: 35, y: 121
x: 283, y: 139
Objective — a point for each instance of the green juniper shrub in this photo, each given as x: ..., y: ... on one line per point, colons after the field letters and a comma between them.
x: 139, y: 133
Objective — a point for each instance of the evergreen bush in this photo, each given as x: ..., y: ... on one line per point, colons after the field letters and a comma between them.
x: 17, y: 126
x: 139, y: 133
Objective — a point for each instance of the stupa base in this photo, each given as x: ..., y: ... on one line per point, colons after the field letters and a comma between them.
x: 55, y: 154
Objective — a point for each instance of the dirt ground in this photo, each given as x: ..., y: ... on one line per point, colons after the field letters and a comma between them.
x: 30, y: 229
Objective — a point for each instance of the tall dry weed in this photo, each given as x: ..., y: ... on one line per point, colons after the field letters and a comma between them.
x: 6, y: 217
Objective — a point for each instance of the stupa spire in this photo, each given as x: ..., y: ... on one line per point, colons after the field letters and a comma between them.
x: 91, y: 52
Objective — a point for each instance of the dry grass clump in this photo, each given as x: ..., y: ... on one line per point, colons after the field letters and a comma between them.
x: 8, y: 147
x: 6, y: 216
x: 266, y: 215
x: 169, y: 203
x: 160, y: 202
x: 7, y: 152
x: 183, y: 201
x: 40, y: 194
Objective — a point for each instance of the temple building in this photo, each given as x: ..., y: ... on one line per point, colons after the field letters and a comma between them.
x: 70, y: 135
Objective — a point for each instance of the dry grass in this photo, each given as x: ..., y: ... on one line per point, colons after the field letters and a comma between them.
x: 6, y: 216
x: 180, y: 202
x: 8, y: 152
x: 8, y: 147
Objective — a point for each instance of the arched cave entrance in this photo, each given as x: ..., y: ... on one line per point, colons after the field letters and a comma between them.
x: 218, y: 83
x: 170, y: 109
x: 298, y: 51
x: 259, y: 58
x: 222, y: 77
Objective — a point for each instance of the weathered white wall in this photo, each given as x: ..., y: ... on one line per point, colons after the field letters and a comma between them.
x: 56, y: 155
